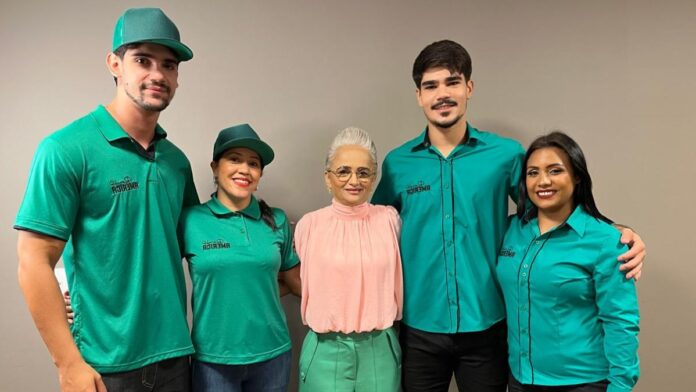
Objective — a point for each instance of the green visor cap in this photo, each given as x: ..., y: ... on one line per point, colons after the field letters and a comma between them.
x: 149, y: 25
x: 242, y: 136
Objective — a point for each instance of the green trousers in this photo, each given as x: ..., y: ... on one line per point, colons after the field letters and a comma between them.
x: 355, y: 362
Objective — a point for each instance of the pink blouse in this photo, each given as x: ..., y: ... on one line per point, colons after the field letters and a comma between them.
x: 350, y: 268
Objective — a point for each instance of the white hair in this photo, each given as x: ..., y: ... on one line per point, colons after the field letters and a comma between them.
x: 352, y: 136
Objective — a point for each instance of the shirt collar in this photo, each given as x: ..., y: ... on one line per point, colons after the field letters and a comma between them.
x: 578, y: 220
x: 112, y: 131
x: 359, y: 211
x: 253, y: 210
x: 421, y: 142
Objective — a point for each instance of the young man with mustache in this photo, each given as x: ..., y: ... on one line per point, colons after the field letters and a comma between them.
x: 105, y: 193
x: 451, y: 186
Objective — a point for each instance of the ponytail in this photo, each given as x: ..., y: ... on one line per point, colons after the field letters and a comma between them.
x: 267, y: 215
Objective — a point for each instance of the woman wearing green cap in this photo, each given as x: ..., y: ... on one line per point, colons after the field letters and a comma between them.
x: 237, y: 248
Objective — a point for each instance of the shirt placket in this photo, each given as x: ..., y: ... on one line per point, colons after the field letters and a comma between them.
x: 239, y: 229
x: 524, y: 311
x: 449, y: 243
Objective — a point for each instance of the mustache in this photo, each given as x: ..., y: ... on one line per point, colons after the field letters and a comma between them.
x: 444, y: 102
x: 161, y: 85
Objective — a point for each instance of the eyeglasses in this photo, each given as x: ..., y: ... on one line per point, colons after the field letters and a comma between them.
x: 344, y: 173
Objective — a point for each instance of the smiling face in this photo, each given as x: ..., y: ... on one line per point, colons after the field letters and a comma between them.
x: 237, y: 172
x: 443, y: 95
x: 351, y: 175
x: 550, y: 181
x: 147, y: 75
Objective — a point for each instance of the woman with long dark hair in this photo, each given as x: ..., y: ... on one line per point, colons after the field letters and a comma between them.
x: 572, y: 315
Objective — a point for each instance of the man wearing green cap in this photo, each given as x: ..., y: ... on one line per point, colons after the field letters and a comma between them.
x: 105, y: 193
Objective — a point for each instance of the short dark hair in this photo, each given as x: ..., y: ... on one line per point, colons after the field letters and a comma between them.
x: 582, y: 193
x: 447, y: 54
x: 121, y: 51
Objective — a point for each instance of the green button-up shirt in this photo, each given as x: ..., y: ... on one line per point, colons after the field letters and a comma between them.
x: 234, y: 259
x: 572, y: 315
x: 454, y: 212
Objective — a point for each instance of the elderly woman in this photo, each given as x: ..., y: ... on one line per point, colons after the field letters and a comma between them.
x: 351, y: 278
x: 572, y: 315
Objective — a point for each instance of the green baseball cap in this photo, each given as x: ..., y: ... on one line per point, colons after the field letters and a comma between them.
x: 149, y: 25
x: 242, y: 136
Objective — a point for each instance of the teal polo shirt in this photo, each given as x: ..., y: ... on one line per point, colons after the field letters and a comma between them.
x: 572, y: 315
x: 234, y: 259
x: 454, y: 213
x: 118, y: 210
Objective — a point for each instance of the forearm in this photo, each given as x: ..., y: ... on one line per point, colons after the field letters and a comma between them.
x: 621, y: 346
x: 47, y: 308
x: 283, y: 288
x: 617, y: 305
x: 291, y: 279
x: 38, y: 255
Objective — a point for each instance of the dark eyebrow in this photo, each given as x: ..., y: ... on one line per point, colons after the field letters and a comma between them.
x: 428, y: 83
x: 239, y: 154
x: 453, y: 78
x: 142, y: 54
x: 170, y: 60
x: 557, y: 164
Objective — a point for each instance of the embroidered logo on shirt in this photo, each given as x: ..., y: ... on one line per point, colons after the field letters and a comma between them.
x: 506, y: 252
x: 420, y: 187
x: 215, y: 244
x: 124, y: 185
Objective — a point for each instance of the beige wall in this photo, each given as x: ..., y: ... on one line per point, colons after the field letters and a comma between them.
x: 617, y: 75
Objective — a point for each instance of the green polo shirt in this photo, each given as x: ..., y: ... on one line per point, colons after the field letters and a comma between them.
x: 572, y: 315
x: 454, y: 212
x: 234, y: 259
x: 118, y: 211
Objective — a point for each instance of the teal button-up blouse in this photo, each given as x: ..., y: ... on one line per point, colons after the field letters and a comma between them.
x: 572, y: 315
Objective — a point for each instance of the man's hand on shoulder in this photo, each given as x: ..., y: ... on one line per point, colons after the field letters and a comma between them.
x: 634, y: 258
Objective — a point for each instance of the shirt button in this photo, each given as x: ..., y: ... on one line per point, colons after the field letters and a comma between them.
x: 524, y: 355
x: 446, y: 186
x: 447, y: 216
x: 242, y: 231
x: 525, y: 266
x: 524, y: 274
x: 523, y: 330
x: 449, y: 243
x: 536, y: 242
x: 523, y: 307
